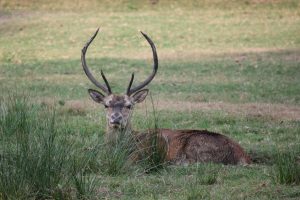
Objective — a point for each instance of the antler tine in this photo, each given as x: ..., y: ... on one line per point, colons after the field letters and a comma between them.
x: 106, y: 89
x: 130, y: 83
x: 155, y: 67
x: 106, y: 82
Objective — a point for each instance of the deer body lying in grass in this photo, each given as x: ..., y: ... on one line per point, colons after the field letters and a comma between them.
x: 181, y: 146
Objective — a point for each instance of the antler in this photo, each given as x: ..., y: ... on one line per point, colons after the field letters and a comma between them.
x: 106, y: 89
x: 149, y: 79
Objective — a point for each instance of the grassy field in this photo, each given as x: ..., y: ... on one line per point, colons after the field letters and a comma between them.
x: 227, y: 66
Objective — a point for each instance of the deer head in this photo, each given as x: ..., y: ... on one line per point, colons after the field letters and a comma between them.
x: 118, y: 107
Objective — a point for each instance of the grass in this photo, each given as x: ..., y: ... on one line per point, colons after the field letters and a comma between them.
x: 287, y: 169
x: 226, y: 66
x: 115, y: 155
x: 37, y: 160
x: 28, y: 161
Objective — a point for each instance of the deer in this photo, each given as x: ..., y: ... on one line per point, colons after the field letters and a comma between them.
x: 182, y: 147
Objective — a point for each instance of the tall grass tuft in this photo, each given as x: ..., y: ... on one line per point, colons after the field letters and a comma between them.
x: 36, y: 160
x: 153, y: 152
x: 33, y: 158
x: 115, y: 155
x: 85, y: 185
x: 287, y: 168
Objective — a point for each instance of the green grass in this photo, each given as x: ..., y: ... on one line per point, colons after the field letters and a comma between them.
x: 226, y: 66
x: 37, y: 158
x: 116, y: 153
x: 287, y: 169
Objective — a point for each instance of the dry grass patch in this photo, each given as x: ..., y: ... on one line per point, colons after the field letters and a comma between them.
x: 79, y: 107
x: 261, y: 110
x: 191, y: 78
x: 236, y: 54
x: 273, y: 111
x: 50, y: 78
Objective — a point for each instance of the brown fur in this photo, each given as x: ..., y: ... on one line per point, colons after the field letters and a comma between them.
x: 189, y: 146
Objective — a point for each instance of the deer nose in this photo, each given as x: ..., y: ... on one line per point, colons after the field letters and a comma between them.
x: 115, y: 121
x: 116, y: 118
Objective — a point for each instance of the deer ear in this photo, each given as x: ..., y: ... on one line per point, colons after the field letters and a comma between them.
x: 96, y: 96
x: 139, y: 96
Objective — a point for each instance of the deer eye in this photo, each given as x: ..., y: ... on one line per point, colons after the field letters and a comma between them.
x: 129, y: 106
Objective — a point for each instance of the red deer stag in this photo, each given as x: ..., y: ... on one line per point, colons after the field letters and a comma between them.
x: 182, y: 146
